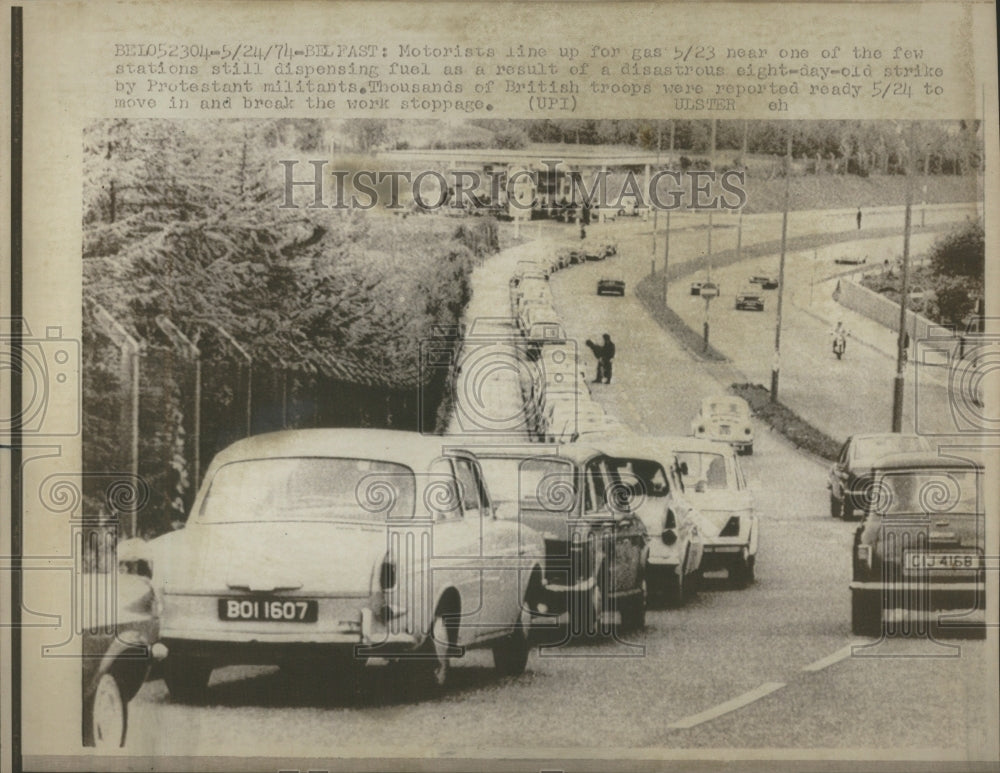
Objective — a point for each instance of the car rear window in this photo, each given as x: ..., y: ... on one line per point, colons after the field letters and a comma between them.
x: 309, y: 489
x: 726, y: 407
x: 544, y: 484
x: 928, y: 492
x: 707, y: 469
x: 873, y: 447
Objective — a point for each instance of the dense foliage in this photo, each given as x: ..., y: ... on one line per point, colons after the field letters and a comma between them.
x: 183, y: 223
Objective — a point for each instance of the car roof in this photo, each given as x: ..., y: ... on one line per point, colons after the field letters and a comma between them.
x: 917, y: 460
x: 575, y: 452
x: 724, y: 397
x: 408, y: 448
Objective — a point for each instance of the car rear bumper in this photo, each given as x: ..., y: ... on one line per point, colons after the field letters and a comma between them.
x: 923, y: 595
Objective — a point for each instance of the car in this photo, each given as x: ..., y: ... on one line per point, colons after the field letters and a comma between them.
x: 850, y: 481
x: 717, y: 488
x: 725, y: 418
x: 611, y: 286
x: 851, y: 260
x: 766, y: 282
x: 117, y: 654
x: 749, y: 299
x: 676, y: 546
x: 696, y: 288
x: 601, y: 214
x: 921, y: 544
x: 596, y: 546
x: 310, y: 549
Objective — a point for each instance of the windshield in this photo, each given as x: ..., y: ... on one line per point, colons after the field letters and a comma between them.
x: 534, y: 483
x: 309, y: 489
x: 727, y: 407
x: 928, y: 492
x: 705, y: 471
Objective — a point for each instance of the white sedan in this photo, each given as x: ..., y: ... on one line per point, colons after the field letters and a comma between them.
x: 313, y: 548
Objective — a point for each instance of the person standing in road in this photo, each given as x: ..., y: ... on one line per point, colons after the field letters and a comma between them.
x: 859, y: 218
x: 604, y: 354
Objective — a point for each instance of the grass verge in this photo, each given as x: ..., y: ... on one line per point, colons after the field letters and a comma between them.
x: 783, y: 419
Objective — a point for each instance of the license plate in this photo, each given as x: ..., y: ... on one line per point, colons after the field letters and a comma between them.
x: 920, y: 561
x: 724, y: 429
x: 269, y: 610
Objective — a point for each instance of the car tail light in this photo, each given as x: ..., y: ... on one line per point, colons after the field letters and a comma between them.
x: 701, y: 429
x: 732, y: 527
x: 746, y: 431
x: 387, y: 575
x: 669, y: 537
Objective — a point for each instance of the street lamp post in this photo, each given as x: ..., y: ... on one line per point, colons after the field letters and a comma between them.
x: 776, y: 364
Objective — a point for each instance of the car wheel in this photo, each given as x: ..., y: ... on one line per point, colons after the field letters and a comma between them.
x: 592, y: 616
x: 510, y: 654
x: 866, y: 613
x: 186, y: 679
x: 633, y: 610
x: 741, y: 573
x: 674, y: 590
x: 846, y: 509
x: 108, y: 715
x: 749, y: 450
x: 834, y: 507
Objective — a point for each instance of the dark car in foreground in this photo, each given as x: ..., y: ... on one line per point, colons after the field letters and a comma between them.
x: 117, y: 654
x: 920, y: 548
x: 850, y: 481
x: 596, y: 546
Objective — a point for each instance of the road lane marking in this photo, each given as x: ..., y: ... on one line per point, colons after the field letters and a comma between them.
x: 724, y: 708
x: 829, y: 660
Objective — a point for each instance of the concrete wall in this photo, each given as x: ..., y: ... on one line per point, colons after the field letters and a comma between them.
x: 884, y: 311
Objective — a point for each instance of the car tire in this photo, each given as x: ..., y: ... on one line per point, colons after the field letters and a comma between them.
x: 834, y: 507
x: 866, y: 613
x: 674, y: 587
x: 593, y: 612
x: 749, y: 450
x: 510, y: 654
x: 846, y: 509
x: 186, y: 678
x: 742, y: 571
x: 107, y: 721
x: 633, y: 609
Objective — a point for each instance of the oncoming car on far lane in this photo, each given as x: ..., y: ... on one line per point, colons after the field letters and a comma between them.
x: 725, y: 418
x: 716, y: 486
x: 317, y: 549
x: 850, y: 476
x: 921, y: 545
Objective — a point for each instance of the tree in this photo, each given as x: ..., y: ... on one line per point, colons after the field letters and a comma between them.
x: 961, y: 252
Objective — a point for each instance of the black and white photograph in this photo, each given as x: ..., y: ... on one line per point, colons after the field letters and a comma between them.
x: 566, y: 433
x: 500, y: 386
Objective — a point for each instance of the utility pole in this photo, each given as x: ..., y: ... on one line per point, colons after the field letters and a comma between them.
x: 776, y: 364
x: 897, y: 387
x: 652, y: 259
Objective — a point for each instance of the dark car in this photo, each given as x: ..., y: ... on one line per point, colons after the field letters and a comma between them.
x: 850, y: 476
x: 749, y: 299
x: 851, y: 260
x: 766, y: 282
x: 920, y: 547
x: 117, y: 655
x: 596, y: 547
x: 610, y: 286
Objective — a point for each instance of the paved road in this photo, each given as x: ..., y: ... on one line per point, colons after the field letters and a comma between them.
x: 778, y: 653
